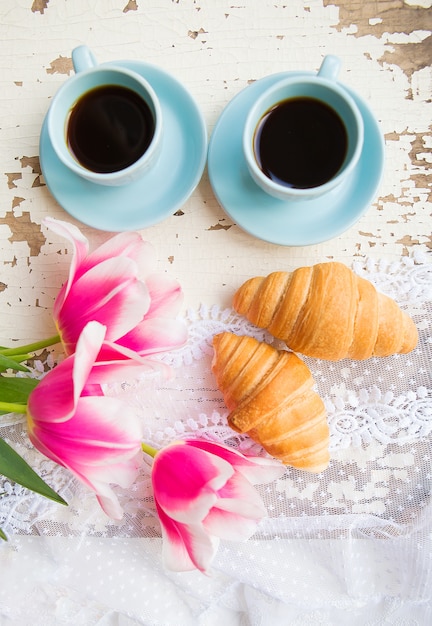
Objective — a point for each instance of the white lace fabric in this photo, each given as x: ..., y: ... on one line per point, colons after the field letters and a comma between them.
x: 352, y: 541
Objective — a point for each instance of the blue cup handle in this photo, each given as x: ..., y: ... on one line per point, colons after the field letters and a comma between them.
x: 83, y: 59
x: 330, y: 67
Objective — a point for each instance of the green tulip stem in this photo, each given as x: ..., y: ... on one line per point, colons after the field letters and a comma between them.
x: 148, y: 449
x: 31, y: 347
x: 19, y: 358
x: 13, y: 407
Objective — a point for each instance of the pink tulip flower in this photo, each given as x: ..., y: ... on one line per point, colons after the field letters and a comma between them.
x: 116, y: 285
x: 203, y: 493
x: 71, y: 422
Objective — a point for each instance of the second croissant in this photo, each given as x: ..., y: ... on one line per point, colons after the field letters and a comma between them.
x: 270, y: 395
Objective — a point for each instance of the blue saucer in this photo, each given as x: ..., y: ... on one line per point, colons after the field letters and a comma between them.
x: 289, y: 223
x: 159, y: 193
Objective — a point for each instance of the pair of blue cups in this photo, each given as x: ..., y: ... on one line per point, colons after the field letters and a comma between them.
x: 323, y: 86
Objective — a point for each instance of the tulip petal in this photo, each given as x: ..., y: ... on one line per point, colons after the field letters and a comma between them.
x: 239, y: 496
x: 155, y: 335
x: 95, y: 446
x: 94, y: 436
x: 109, y: 503
x: 109, y: 293
x: 262, y: 470
x: 60, y: 391
x: 127, y: 244
x: 55, y: 397
x: 80, y: 250
x: 98, y: 479
x: 237, y: 511
x: 122, y: 473
x: 87, y: 350
x: 166, y: 295
x: 117, y: 362
x: 94, y: 389
x: 69, y: 420
x: 116, y: 371
x: 116, y: 285
x: 229, y: 526
x: 189, y: 478
x: 186, y: 547
x: 185, y: 481
x: 257, y: 470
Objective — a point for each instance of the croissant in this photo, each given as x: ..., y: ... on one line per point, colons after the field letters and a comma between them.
x: 327, y: 311
x: 270, y: 397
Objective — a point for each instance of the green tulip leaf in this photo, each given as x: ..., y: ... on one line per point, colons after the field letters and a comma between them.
x: 15, y: 390
x: 13, y: 363
x: 2, y: 535
x: 13, y: 466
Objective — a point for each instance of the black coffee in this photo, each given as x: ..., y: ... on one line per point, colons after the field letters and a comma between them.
x: 300, y: 143
x: 109, y: 128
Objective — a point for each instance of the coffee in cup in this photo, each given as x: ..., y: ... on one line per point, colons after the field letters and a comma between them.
x: 105, y: 122
x: 304, y: 135
x: 109, y: 128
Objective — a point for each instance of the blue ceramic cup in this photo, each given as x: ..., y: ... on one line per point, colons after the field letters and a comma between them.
x: 89, y: 78
x: 320, y: 90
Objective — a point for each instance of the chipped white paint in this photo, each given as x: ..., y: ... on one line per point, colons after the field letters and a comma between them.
x: 216, y: 49
x: 425, y: 4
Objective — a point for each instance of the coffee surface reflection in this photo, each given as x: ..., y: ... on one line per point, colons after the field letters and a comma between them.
x: 300, y: 143
x: 109, y: 128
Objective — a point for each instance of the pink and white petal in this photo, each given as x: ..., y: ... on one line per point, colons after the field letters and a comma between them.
x: 258, y: 470
x: 156, y: 335
x: 262, y: 470
x: 94, y: 389
x: 80, y: 250
x: 60, y: 300
x: 230, y: 526
x: 186, y: 547
x: 106, y: 372
x: 127, y: 244
x: 166, y: 295
x: 175, y: 557
x: 109, y: 504
x: 122, y: 473
x: 36, y: 435
x: 104, y: 492
x: 104, y: 425
x: 87, y: 349
x: 64, y: 384
x: 239, y: 496
x: 110, y: 294
x: 106, y: 278
x: 231, y: 455
x: 99, y: 478
x: 101, y: 433
x: 127, y: 471
x: 116, y: 362
x: 185, y: 481
x: 117, y: 353
x: 57, y: 385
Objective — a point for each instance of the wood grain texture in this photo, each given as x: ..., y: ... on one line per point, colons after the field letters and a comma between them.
x: 216, y: 49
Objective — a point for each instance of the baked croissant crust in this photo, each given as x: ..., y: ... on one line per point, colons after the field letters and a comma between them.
x: 270, y: 396
x: 328, y: 312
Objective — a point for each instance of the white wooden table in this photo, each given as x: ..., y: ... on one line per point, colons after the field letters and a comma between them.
x: 215, y: 49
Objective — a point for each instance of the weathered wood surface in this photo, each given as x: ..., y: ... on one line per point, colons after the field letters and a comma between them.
x: 216, y: 49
